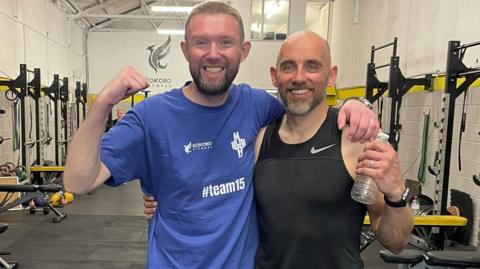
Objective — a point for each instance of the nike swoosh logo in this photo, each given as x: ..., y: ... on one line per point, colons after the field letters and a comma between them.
x: 315, y: 151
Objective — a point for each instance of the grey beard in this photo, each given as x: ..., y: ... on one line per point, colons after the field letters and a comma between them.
x: 302, y: 109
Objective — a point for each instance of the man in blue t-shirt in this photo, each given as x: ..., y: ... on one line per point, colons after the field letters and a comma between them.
x: 191, y: 148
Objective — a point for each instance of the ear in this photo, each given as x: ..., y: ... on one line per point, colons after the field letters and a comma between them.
x: 183, y: 45
x: 245, y: 50
x: 273, y: 76
x: 332, y: 76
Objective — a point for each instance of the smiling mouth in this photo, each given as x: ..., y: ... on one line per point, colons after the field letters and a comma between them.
x: 299, y: 91
x: 213, y: 69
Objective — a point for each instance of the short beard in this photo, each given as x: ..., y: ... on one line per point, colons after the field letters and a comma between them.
x: 302, y: 109
x: 220, y: 87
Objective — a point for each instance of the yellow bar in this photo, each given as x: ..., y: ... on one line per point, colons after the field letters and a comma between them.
x: 444, y: 220
x: 47, y: 168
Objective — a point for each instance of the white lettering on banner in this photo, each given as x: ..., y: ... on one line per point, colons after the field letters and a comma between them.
x: 224, y: 188
x: 162, y: 83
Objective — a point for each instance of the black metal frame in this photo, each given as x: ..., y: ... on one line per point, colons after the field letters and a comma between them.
x: 455, y: 69
x: 78, y: 100
x: 397, y: 87
x: 20, y: 82
x: 63, y: 96
x: 35, y: 85
x: 53, y: 92
x: 84, y: 99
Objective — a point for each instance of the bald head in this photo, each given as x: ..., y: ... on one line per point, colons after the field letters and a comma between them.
x: 303, y: 72
x: 306, y: 40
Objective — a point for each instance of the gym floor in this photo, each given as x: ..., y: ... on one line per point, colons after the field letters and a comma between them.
x: 103, y: 230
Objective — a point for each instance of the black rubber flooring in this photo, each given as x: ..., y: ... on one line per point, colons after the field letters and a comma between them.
x: 103, y: 230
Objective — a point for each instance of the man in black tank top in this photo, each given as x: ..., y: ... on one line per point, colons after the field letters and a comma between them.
x: 305, y: 170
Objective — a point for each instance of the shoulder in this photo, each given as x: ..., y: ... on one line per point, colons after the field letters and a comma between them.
x: 258, y: 142
x: 164, y: 98
x: 247, y: 90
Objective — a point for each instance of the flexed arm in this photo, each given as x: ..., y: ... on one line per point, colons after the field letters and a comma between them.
x: 84, y: 170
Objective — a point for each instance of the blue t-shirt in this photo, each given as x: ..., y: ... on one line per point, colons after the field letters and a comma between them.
x: 197, y: 162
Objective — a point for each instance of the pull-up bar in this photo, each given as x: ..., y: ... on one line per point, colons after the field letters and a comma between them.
x: 397, y: 87
x: 467, y: 45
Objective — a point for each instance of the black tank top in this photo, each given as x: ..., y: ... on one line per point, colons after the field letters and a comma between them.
x: 306, y: 215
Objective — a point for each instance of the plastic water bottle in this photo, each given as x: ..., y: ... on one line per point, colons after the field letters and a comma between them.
x: 415, y: 206
x: 364, y: 188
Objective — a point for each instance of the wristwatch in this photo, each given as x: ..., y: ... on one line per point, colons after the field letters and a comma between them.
x: 401, y: 203
x: 366, y: 102
x: 361, y: 99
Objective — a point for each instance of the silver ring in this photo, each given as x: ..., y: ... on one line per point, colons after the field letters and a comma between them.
x: 371, y: 164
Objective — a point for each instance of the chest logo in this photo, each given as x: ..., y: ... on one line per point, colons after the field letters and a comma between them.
x: 315, y: 151
x: 197, y: 146
x: 238, y: 144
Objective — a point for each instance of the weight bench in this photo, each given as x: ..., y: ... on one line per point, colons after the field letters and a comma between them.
x: 32, y: 191
x: 453, y: 259
x: 3, y: 263
x: 367, y: 237
x: 408, y: 258
x: 405, y: 259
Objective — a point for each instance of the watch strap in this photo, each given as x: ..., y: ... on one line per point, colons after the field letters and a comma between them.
x: 401, y: 203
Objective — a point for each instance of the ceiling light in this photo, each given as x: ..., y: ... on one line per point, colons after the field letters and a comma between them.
x: 171, y: 9
x: 170, y: 32
x: 272, y: 8
x: 255, y: 27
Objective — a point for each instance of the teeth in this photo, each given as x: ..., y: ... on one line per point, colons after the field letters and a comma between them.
x: 299, y: 91
x: 213, y: 69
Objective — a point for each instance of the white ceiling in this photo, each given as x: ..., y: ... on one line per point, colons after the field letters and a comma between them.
x: 124, y: 15
x: 136, y: 15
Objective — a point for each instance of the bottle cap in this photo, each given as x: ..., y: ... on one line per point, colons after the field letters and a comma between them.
x: 381, y: 136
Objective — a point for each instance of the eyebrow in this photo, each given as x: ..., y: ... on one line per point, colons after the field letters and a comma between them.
x: 309, y: 61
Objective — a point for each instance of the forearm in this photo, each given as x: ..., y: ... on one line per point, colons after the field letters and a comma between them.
x: 394, y: 228
x: 83, y: 160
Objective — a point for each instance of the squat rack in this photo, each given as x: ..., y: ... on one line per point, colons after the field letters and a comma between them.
x: 35, y: 85
x: 19, y: 87
x: 83, y: 94
x: 80, y: 98
x: 63, y: 96
x: 455, y: 69
x: 397, y: 87
x: 53, y: 92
